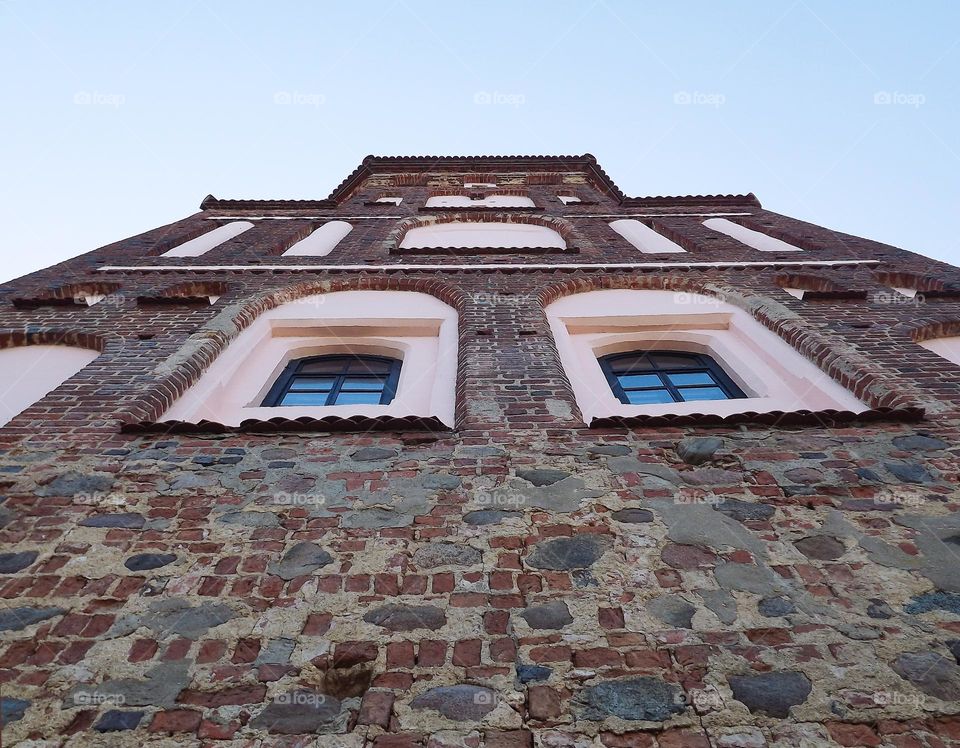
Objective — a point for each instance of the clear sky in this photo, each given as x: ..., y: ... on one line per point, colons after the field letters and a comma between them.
x: 118, y: 117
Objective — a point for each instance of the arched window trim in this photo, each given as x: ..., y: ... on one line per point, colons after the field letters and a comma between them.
x: 700, y: 364
x: 294, y: 371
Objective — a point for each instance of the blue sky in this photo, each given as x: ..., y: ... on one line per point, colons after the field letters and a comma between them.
x: 119, y: 117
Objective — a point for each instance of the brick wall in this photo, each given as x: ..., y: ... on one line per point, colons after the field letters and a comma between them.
x: 522, y: 580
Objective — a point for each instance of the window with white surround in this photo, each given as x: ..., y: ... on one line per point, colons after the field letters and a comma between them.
x: 347, y: 353
x: 755, y: 239
x: 631, y: 353
x: 29, y: 372
x: 643, y: 237
x: 205, y: 242
x: 391, y: 200
x: 321, y: 241
x: 490, y: 201
x: 569, y: 199
x: 482, y: 234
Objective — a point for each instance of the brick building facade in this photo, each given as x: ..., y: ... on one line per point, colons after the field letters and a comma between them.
x: 527, y: 569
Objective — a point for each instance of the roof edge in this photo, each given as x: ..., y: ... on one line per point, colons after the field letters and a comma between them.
x: 372, y: 164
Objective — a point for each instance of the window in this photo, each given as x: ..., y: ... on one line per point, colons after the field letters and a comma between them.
x: 389, y: 199
x: 569, y: 199
x: 644, y: 377
x: 205, y: 242
x: 654, y: 352
x: 755, y: 239
x: 482, y: 234
x: 322, y: 241
x: 342, y: 354
x: 336, y: 380
x: 643, y: 237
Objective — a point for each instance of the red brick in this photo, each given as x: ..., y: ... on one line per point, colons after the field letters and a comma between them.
x: 211, y: 651
x: 431, y: 653
x: 376, y: 707
x: 224, y: 697
x: 467, y: 652
x: 543, y: 703
x: 400, y: 654
x: 610, y: 618
x: 847, y: 734
x: 175, y: 720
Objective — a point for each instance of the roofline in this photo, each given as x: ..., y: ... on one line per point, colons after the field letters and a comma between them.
x: 379, y: 164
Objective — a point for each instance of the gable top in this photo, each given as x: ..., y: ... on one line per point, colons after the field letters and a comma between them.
x: 478, y: 165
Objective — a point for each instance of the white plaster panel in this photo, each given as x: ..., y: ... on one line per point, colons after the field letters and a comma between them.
x: 416, y: 328
x: 482, y: 234
x: 755, y: 239
x: 643, y: 237
x: 322, y: 241
x: 205, y: 242
x: 773, y: 375
x: 29, y: 372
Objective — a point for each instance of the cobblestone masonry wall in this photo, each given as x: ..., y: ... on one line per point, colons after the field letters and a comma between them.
x: 520, y: 581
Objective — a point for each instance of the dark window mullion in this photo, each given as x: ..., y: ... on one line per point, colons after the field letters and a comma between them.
x: 669, y: 386
x: 338, y: 382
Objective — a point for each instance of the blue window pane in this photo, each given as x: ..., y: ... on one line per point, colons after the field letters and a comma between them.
x: 358, y: 398
x: 362, y: 384
x: 312, y: 383
x: 683, y: 380
x: 629, y: 381
x: 304, y: 398
x: 703, y: 393
x: 646, y: 397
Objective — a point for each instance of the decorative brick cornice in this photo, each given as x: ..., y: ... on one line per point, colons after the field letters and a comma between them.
x: 302, y: 424
x: 778, y: 418
x: 36, y: 335
x: 479, y: 165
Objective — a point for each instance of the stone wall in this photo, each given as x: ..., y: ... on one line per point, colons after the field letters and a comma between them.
x: 519, y: 581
